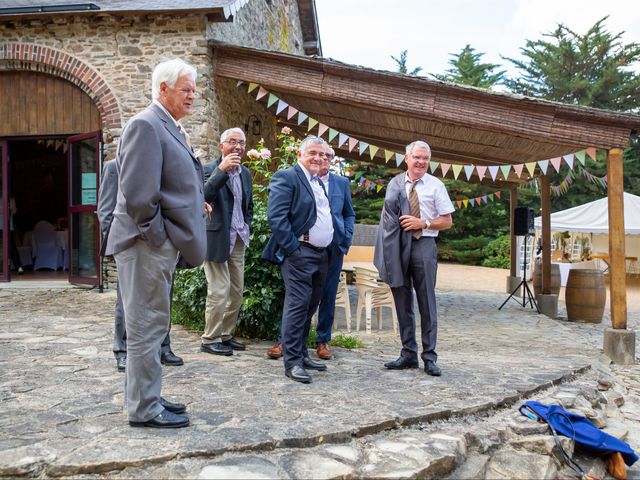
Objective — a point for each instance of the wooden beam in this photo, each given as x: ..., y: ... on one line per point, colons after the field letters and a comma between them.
x: 545, y: 202
x: 513, y: 203
x: 617, y: 275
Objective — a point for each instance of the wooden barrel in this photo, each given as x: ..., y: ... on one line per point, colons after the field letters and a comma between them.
x: 537, y: 278
x: 585, y: 295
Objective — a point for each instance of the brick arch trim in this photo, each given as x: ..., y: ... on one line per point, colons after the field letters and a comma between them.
x: 38, y: 58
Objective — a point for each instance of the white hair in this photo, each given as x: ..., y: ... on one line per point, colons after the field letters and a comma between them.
x: 227, y: 133
x: 169, y: 71
x: 419, y: 144
x: 311, y: 139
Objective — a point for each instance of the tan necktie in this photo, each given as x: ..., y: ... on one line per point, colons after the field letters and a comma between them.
x: 186, y: 135
x: 414, y: 206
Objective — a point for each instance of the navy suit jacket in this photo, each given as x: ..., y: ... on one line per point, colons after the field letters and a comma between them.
x: 217, y: 192
x: 342, y: 212
x: 291, y: 211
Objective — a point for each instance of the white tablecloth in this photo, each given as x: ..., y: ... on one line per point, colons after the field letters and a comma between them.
x: 565, y: 267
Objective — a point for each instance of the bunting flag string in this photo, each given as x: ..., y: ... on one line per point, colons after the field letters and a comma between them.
x: 355, y: 145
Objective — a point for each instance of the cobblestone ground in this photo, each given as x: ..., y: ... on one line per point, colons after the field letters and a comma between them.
x: 61, y: 398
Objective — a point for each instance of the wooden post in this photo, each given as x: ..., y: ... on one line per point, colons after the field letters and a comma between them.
x: 513, y: 203
x: 617, y: 274
x: 545, y: 203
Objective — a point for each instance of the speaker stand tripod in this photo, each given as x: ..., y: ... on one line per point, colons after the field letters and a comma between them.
x: 527, y: 294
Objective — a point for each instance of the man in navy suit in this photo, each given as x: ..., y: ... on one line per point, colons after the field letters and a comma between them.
x: 302, y: 229
x: 343, y: 221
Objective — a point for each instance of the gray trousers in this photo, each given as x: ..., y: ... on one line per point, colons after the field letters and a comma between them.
x: 421, y: 275
x: 304, y: 273
x: 145, y: 273
x: 120, y: 332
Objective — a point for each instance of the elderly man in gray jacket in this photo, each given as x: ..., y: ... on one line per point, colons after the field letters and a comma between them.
x: 159, y: 213
x: 416, y: 207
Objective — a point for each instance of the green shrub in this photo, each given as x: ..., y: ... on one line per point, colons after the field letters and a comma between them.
x: 468, y: 251
x: 189, y: 296
x: 497, y: 253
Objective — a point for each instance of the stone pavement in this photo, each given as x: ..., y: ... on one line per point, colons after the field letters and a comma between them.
x: 61, y: 399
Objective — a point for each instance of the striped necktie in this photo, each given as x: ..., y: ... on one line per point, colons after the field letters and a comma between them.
x: 414, y: 206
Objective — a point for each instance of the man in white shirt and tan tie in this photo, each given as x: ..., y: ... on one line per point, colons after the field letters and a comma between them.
x: 302, y: 229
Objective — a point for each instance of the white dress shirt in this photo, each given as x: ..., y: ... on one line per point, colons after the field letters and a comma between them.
x: 434, y: 199
x: 321, y: 234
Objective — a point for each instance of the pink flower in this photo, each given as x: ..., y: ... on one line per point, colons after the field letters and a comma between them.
x: 290, y: 148
x: 253, y: 154
x: 286, y: 130
x: 265, y: 153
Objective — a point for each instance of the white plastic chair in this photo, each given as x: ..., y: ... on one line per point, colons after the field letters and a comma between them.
x: 44, y: 247
x: 342, y: 300
x: 373, y: 293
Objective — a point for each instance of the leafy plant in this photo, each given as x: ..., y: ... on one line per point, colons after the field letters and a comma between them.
x: 346, y: 341
x: 497, y: 253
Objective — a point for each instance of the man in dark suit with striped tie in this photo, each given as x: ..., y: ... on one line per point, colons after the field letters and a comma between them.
x: 416, y: 207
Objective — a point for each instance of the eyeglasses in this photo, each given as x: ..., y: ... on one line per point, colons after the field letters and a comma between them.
x: 235, y: 143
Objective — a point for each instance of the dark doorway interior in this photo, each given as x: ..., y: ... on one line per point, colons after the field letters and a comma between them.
x: 38, y: 183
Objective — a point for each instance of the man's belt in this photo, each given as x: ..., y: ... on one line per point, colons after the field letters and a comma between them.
x: 312, y: 247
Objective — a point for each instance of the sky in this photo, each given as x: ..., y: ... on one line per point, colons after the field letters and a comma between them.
x: 368, y: 32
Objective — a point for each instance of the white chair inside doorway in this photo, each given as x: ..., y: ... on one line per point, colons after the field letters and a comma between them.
x: 44, y: 247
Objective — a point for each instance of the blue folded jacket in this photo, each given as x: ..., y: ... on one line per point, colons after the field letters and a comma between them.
x: 580, y: 429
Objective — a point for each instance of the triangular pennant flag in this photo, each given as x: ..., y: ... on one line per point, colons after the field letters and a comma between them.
x: 456, y: 170
x: 569, y: 160
x: 261, y: 93
x: 484, y: 199
x: 321, y: 129
x: 281, y: 106
x: 252, y: 87
x: 531, y: 167
x: 378, y: 188
x: 445, y: 168
x: 518, y: 169
x: 543, y: 164
x: 505, y: 169
x: 556, y: 161
x: 342, y: 138
x: 399, y: 159
x: 332, y: 134
x: 272, y: 99
x: 581, y: 156
x: 481, y: 171
x: 387, y: 155
x: 312, y: 123
x: 239, y: 82
x: 352, y: 143
x: 433, y: 166
x: 498, y: 194
x: 472, y: 201
x: 493, y: 171
x: 302, y: 117
x: 459, y: 203
x: 592, y: 152
x: 465, y: 202
x: 468, y: 170
x: 491, y: 197
x: 373, y: 150
x: 291, y: 112
x: 363, y: 147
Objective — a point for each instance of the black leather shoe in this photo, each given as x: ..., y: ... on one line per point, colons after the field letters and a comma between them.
x: 401, y: 363
x: 173, y: 407
x: 121, y: 362
x: 298, y: 374
x: 432, y: 369
x: 169, y: 358
x: 216, y: 348
x: 234, y: 344
x: 165, y: 419
x: 308, y: 363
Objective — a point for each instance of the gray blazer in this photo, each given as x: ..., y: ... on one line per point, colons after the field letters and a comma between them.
x: 107, y: 200
x: 217, y: 192
x: 393, y: 245
x: 160, y: 188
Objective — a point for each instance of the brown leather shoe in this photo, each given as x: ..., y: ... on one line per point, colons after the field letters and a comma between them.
x: 275, y: 351
x: 323, y: 351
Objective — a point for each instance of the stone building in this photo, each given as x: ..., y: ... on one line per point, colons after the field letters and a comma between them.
x: 71, y: 75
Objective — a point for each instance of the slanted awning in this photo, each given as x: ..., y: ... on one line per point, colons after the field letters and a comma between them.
x: 464, y: 125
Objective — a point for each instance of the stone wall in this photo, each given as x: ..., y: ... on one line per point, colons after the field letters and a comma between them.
x: 124, y: 49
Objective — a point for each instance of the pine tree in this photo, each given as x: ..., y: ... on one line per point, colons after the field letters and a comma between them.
x: 402, y: 64
x: 467, y: 70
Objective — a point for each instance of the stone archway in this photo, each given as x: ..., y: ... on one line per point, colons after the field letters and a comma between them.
x: 38, y: 58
